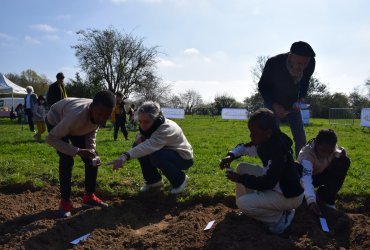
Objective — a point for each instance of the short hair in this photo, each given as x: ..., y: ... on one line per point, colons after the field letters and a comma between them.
x: 60, y: 75
x: 302, y: 49
x: 40, y: 97
x: 119, y: 94
x: 264, y: 119
x: 105, y: 98
x: 326, y: 137
x: 151, y: 108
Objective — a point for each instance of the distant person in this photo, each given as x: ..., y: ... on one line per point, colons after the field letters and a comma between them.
x: 162, y: 145
x: 270, y: 193
x: 19, y: 112
x: 57, y: 90
x: 131, y: 117
x: 39, y: 114
x: 284, y: 84
x: 325, y: 166
x: 119, y: 117
x: 29, y: 101
x: 72, y: 125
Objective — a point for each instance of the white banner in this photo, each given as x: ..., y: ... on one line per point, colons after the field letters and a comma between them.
x: 173, y: 113
x: 305, y: 116
x: 365, y: 117
x: 234, y: 114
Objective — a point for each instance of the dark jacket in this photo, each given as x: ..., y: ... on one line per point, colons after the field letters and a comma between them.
x: 54, y: 94
x: 277, y: 86
x: 33, y: 99
x: 276, y: 154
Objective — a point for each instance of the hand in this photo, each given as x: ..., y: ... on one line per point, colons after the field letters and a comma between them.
x: 225, y: 162
x: 138, y: 140
x: 86, y: 153
x: 232, y: 176
x: 315, y: 208
x: 118, y: 163
x: 280, y: 111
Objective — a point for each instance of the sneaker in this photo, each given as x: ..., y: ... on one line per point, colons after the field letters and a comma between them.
x: 147, y: 187
x: 181, y: 187
x: 283, y: 224
x: 91, y: 200
x: 65, y: 207
x: 332, y: 206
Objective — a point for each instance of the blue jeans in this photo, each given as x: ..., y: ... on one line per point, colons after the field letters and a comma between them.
x: 169, y: 162
x: 296, y: 125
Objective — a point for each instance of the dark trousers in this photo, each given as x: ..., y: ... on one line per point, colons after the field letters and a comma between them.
x: 169, y: 162
x: 117, y: 126
x: 65, y: 167
x: 331, y: 179
x: 29, y: 115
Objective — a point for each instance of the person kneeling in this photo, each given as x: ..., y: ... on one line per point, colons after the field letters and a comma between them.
x: 161, y: 144
x: 269, y: 194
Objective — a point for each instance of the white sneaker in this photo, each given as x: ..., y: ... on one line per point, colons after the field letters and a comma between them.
x: 147, y: 187
x: 330, y: 206
x: 181, y: 187
x: 284, y: 222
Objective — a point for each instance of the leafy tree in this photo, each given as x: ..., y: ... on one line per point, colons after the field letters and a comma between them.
x: 174, y: 101
x: 30, y: 77
x: 357, y: 102
x: 119, y: 61
x: 254, y: 102
x: 224, y: 101
x: 81, y: 88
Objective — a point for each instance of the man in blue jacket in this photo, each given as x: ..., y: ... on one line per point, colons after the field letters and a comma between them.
x: 284, y: 84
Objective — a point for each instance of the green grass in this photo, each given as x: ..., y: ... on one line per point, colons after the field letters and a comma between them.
x: 23, y: 160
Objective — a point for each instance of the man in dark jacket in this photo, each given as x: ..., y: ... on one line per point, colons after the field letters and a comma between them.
x: 284, y: 84
x: 56, y: 90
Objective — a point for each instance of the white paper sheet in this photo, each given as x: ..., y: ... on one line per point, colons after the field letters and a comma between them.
x: 209, y: 225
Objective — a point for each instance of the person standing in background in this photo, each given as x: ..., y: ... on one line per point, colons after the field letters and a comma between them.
x: 29, y: 101
x: 284, y: 84
x: 119, y: 117
x: 57, y: 90
x: 39, y: 115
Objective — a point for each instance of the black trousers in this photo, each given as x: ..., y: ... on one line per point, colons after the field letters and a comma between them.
x: 66, y: 163
x: 29, y: 115
x: 331, y: 179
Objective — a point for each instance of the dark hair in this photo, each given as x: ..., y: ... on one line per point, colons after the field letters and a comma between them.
x: 119, y: 94
x: 40, y: 98
x: 264, y: 119
x: 105, y: 98
x: 327, y: 137
x: 59, y: 75
x: 302, y: 49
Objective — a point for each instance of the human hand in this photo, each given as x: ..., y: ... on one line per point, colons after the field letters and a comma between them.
x: 226, y: 161
x: 86, y: 153
x: 232, y: 176
x: 315, y: 208
x: 118, y: 163
x: 280, y: 111
x: 138, y: 140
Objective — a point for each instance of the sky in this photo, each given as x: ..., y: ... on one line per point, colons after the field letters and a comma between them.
x: 209, y: 46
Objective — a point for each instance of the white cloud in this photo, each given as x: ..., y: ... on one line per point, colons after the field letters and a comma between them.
x: 52, y: 37
x: 31, y: 40
x: 191, y: 52
x: 6, y: 37
x: 118, y: 1
x: 166, y: 63
x: 44, y: 28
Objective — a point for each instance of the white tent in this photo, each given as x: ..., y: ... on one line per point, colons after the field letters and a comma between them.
x: 8, y: 87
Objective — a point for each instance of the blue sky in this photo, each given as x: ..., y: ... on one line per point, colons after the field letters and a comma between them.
x: 207, y: 45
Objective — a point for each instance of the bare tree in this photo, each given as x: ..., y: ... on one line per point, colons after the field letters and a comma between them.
x: 152, y: 88
x: 120, y: 61
x: 174, y: 101
x: 258, y: 69
x: 190, y: 99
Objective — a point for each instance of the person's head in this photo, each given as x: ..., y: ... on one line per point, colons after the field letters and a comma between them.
x: 40, y: 99
x: 148, y: 113
x: 325, y: 143
x: 29, y: 89
x: 262, y: 125
x: 300, y: 56
x: 119, y: 97
x: 133, y: 105
x: 60, y: 77
x: 102, y: 106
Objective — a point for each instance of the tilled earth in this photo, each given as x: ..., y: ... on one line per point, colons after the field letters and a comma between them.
x: 156, y: 221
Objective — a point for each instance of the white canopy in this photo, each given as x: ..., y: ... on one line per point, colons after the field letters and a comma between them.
x: 8, y: 87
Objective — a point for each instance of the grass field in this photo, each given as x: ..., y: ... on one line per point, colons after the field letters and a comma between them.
x: 23, y: 160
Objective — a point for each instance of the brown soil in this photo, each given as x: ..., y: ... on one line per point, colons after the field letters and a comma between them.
x: 156, y: 221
